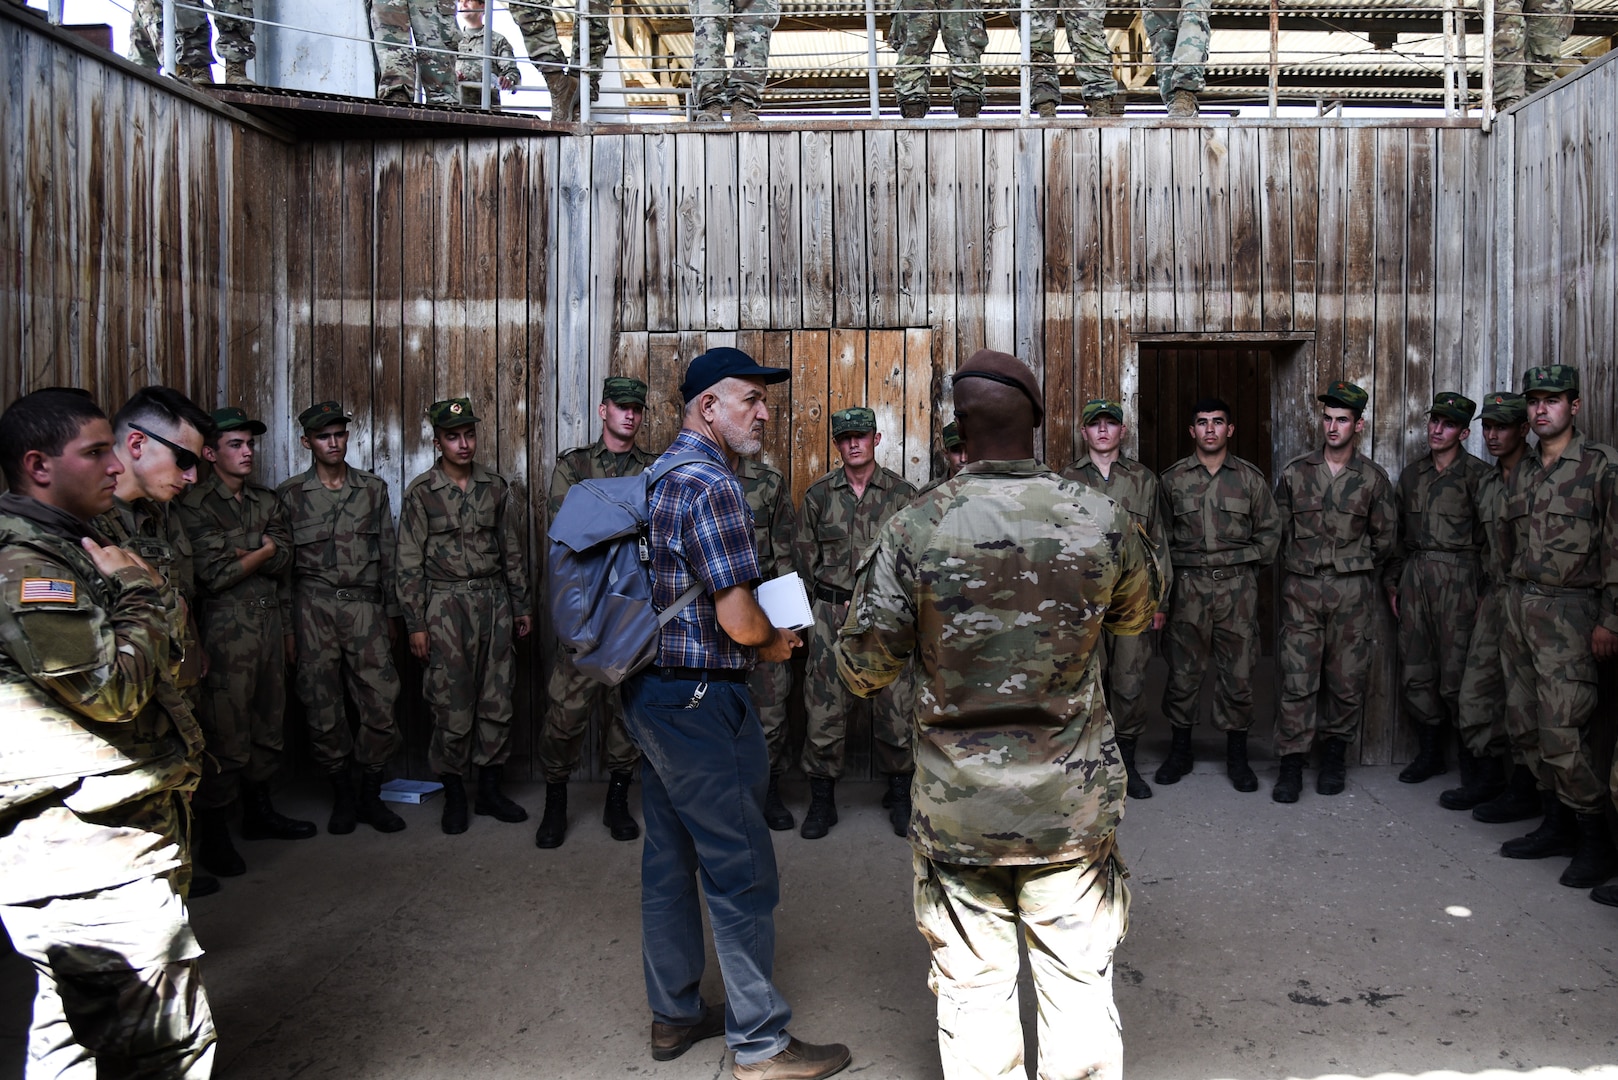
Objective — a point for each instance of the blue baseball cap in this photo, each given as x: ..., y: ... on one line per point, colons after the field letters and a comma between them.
x: 726, y: 363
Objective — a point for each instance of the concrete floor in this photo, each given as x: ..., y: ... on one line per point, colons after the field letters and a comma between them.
x: 1362, y: 935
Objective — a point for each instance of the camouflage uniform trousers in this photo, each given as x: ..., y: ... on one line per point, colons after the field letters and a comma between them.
x: 118, y: 982
x: 1327, y: 639
x: 1528, y: 41
x: 1551, y: 690
x: 1124, y: 676
x: 917, y: 25
x: 437, y: 41
x: 1437, y: 599
x: 1086, y: 37
x: 343, y: 640
x: 243, y: 698
x: 537, y: 24
x: 749, y: 22
x: 1179, y: 34
x: 771, y: 685
x: 471, y: 674
x: 193, y: 49
x: 827, y: 702
x: 235, y: 36
x: 1073, y: 915
x: 1212, y: 619
x: 1481, y: 704
x: 573, y: 697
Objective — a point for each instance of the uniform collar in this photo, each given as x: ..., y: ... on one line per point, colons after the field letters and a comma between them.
x: 441, y: 479
x: 1022, y: 467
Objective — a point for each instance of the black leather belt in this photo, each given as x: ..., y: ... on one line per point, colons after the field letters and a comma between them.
x: 692, y: 674
x: 1218, y: 573
x: 832, y: 594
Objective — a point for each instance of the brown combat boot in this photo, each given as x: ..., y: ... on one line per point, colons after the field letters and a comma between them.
x: 564, y: 90
x: 742, y: 113
x: 236, y: 73
x: 1183, y: 105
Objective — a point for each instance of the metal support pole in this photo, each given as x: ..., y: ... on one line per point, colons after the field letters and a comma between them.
x: 170, y: 32
x: 1275, y: 56
x: 55, y: 9
x: 488, y: 58
x: 1449, y: 57
x: 1025, y: 68
x: 870, y: 56
x: 586, y: 77
x: 1461, y: 65
x: 1487, y: 107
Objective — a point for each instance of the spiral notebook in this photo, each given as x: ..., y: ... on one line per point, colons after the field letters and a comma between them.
x: 786, y: 602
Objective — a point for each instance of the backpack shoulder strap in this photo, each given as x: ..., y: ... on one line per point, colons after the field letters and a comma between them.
x: 663, y: 468
x: 679, y: 604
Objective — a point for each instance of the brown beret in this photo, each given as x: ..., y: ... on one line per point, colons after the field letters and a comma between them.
x: 1007, y: 370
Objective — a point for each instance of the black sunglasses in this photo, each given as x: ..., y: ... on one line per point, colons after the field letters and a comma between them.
x: 183, y: 458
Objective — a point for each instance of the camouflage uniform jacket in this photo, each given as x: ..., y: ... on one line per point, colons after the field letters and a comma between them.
x: 1343, y: 524
x: 1000, y: 582
x: 1491, y: 500
x: 446, y: 534
x: 469, y: 66
x: 83, y: 663
x: 1134, y: 487
x: 774, y: 521
x: 1227, y: 518
x: 1559, y: 526
x: 836, y: 529
x: 1440, y: 511
x: 149, y: 529
x: 593, y: 462
x: 343, y: 539
x: 219, y: 524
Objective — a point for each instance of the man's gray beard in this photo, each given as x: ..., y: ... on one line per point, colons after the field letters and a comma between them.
x: 741, y: 441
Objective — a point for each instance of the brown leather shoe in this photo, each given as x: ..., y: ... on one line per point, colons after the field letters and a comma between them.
x: 669, y: 1041
x: 799, y: 1061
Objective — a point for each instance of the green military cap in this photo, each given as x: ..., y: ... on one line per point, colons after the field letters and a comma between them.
x: 322, y: 414
x: 1552, y: 379
x: 234, y: 419
x: 1453, y: 406
x: 855, y: 421
x: 1096, y: 408
x: 1504, y: 407
x: 454, y: 413
x: 952, y: 436
x: 1345, y: 395
x: 622, y: 390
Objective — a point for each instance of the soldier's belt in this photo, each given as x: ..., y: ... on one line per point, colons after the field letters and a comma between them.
x: 477, y: 583
x: 1218, y: 573
x: 832, y: 594
x: 1328, y: 572
x: 1534, y: 588
x: 1454, y: 558
x: 251, y: 602
x: 368, y: 594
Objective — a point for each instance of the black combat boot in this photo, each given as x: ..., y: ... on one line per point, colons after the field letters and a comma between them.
x: 1179, y: 760
x: 1333, y: 774
x: 616, y: 816
x: 1236, y: 767
x: 776, y: 814
x: 553, y: 822
x: 344, y: 814
x: 372, y: 810
x: 897, y: 801
x: 1429, y: 759
x: 211, y: 847
x: 1556, y: 835
x: 202, y: 885
x: 1482, y: 778
x: 1137, y: 786
x: 453, y: 821
x: 491, y: 801
x: 1289, y: 785
x: 822, y: 813
x: 1593, y: 857
x: 1520, y: 800
x: 1605, y: 894
x: 261, y: 821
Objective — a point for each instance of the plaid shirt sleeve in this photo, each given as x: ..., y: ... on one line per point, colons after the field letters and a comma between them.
x: 718, y: 536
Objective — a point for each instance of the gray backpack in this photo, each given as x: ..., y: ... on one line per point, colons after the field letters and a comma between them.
x: 601, y: 574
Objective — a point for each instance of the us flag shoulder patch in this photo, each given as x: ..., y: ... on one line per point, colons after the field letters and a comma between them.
x: 44, y: 590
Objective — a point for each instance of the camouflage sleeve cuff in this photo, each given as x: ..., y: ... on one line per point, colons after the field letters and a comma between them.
x: 134, y: 577
x: 1610, y: 622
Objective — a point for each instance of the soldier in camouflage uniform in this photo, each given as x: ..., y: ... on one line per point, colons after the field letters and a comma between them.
x: 741, y: 89
x: 1134, y: 487
x: 1092, y: 59
x: 1179, y: 33
x: 344, y: 606
x: 193, y: 52
x: 774, y: 523
x: 469, y: 68
x: 914, y: 29
x: 574, y: 695
x: 538, y: 26
x: 1341, y: 530
x: 842, y: 512
x: 99, y: 753
x: 1439, y: 571
x: 432, y: 24
x: 1528, y: 39
x: 1019, y: 787
x: 464, y: 591
x: 243, y: 548
x: 1559, y: 540
x: 1223, y: 528
x: 954, y: 456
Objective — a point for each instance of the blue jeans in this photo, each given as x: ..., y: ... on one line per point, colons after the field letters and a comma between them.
x: 704, y: 772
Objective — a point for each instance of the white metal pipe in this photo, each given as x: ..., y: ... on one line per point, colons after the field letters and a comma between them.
x: 55, y: 9
x: 870, y: 55
x: 488, y: 58
x: 1487, y: 107
x: 1449, y: 57
x: 1275, y: 57
x: 586, y: 77
x: 1026, y: 76
x: 170, y: 32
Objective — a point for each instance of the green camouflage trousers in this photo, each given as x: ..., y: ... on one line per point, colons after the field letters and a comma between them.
x: 343, y: 641
x: 539, y: 38
x: 1528, y: 39
x: 1212, y: 619
x: 243, y: 698
x: 917, y: 25
x: 1072, y: 916
x: 470, y: 675
x: 192, y: 50
x: 1179, y: 33
x: 749, y: 22
x: 119, y: 991
x: 1086, y: 37
x: 1328, y: 636
x: 1124, y: 661
x: 1481, y: 704
x: 573, y: 696
x: 771, y: 685
x: 1551, y: 691
x: 437, y: 41
x: 1437, y: 599
x: 827, y: 703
